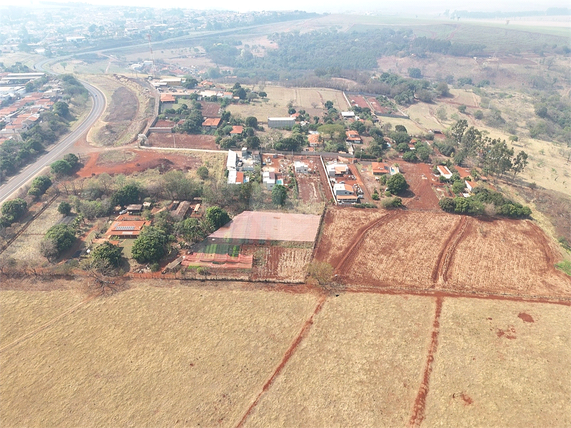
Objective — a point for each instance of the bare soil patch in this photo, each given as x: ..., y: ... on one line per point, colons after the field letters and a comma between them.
x: 341, y: 226
x: 507, y: 256
x: 186, y: 141
x: 310, y: 188
x: 143, y: 159
x: 482, y: 378
x: 400, y: 250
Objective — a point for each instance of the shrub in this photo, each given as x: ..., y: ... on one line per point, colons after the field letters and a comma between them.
x: 392, y: 203
x: 62, y: 236
x: 202, y: 172
x: 108, y: 253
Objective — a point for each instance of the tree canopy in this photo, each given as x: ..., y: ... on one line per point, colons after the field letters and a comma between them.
x: 397, y: 184
x: 150, y: 246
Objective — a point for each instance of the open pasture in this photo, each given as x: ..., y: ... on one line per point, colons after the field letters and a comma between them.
x: 150, y: 356
x: 501, y: 364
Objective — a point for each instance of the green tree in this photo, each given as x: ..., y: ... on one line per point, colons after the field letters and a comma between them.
x: 410, y: 156
x: 217, y: 217
x: 253, y: 142
x: 71, y: 159
x: 64, y: 208
x: 61, y: 167
x: 14, y: 209
x: 62, y: 236
x: 39, y: 186
x: 251, y: 122
x: 328, y: 105
x: 397, y: 184
x: 414, y: 72
x: 150, y: 246
x: 462, y: 109
x: 61, y: 109
x: 279, y: 195
x: 322, y: 272
x: 128, y: 194
x: 478, y: 114
x: 519, y: 163
x: 108, y: 253
x: 400, y: 128
x: 458, y: 187
x: 190, y: 229
x: 447, y: 204
x: 443, y: 89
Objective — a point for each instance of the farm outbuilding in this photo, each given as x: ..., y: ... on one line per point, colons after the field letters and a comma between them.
x: 257, y: 226
x: 281, y: 122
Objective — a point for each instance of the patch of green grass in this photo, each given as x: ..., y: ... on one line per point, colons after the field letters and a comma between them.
x: 232, y: 250
x: 564, y: 266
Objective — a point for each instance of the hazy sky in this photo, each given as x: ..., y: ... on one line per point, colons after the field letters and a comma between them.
x: 400, y: 6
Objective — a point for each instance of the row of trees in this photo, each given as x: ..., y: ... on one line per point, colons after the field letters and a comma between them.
x: 485, y: 201
x: 494, y: 156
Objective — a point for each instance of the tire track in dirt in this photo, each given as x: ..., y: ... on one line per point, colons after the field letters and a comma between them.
x: 45, y: 325
x: 303, y: 332
x: 439, y: 271
x: 357, y: 241
x: 420, y: 402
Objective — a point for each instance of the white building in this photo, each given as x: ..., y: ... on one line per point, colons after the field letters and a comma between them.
x: 336, y: 169
x: 300, y: 167
x: 269, y: 179
x: 341, y: 189
x: 347, y: 114
x: 281, y: 122
x: 232, y: 161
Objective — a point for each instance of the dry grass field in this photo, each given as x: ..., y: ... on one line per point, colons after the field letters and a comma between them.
x: 24, y: 311
x: 150, y: 356
x: 501, y: 364
x: 311, y: 100
x: 510, y: 256
x: 27, y: 247
x: 359, y: 366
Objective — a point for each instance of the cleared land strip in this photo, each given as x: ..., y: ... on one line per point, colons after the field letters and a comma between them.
x: 439, y: 271
x: 304, y: 330
x: 418, y: 411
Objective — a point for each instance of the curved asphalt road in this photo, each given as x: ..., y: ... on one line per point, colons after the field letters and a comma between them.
x: 29, y: 172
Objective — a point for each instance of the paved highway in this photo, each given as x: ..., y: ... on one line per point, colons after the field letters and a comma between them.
x: 29, y: 172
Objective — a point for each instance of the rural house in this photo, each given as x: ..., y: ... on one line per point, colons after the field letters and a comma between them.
x: 444, y: 171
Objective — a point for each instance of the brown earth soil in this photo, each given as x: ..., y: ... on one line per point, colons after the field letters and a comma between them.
x: 143, y: 160
x: 439, y: 251
x: 310, y: 188
x: 186, y: 141
x: 421, y: 195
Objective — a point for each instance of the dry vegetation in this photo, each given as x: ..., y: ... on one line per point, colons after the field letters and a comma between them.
x: 493, y: 368
x: 128, y: 108
x: 281, y: 263
x: 359, y: 365
x: 150, y: 357
x: 311, y: 100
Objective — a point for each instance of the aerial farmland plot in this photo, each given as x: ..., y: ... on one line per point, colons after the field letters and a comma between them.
x: 360, y: 365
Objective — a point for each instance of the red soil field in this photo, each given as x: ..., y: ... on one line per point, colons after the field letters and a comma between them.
x: 438, y: 251
x: 310, y: 188
x: 144, y: 159
x: 185, y: 141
